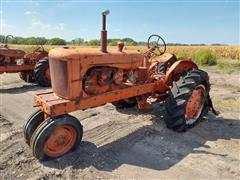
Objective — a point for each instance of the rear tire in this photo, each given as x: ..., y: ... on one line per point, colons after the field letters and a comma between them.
x: 56, y: 136
x: 41, y: 73
x: 187, y: 100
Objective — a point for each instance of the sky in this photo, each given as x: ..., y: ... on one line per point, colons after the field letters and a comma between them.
x: 177, y: 21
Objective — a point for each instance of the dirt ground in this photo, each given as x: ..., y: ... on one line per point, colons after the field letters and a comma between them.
x: 130, y: 144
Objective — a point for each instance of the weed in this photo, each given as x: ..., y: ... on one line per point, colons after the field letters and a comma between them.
x: 204, y: 57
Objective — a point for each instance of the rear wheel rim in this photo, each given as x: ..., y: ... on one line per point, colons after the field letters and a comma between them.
x: 47, y: 74
x: 60, y: 141
x: 195, y: 104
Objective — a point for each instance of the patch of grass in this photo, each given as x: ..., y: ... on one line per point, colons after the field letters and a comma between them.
x: 228, y: 67
x: 204, y: 57
x: 222, y: 67
x: 230, y: 104
x: 28, y: 48
x: 183, y: 54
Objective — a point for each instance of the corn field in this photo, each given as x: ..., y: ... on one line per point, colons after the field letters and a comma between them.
x: 221, y: 52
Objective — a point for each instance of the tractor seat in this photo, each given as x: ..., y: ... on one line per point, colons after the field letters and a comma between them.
x: 164, y: 57
x: 16, y: 53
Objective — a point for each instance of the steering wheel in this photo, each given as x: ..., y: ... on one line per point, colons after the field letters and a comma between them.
x: 161, y: 48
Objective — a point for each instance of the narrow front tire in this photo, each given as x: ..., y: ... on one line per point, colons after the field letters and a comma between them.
x: 56, y: 136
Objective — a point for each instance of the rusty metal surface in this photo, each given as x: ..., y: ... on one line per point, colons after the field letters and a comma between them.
x: 104, y: 41
x: 177, y: 68
x: 15, y: 68
x: 104, y: 32
x: 59, y: 77
x: 89, y: 78
x: 9, y: 57
x: 76, y: 53
x: 79, y: 60
x: 162, y: 58
x: 120, y: 46
x: 16, y: 53
x: 93, y: 56
x: 54, y: 105
x: 34, y: 56
x: 80, y: 88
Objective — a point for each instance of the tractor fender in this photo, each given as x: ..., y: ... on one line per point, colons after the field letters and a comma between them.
x: 177, y: 68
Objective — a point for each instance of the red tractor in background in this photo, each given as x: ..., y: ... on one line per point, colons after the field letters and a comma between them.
x: 32, y: 66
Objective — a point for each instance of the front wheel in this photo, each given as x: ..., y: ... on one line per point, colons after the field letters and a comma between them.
x: 32, y: 123
x: 55, y: 137
x: 186, y: 102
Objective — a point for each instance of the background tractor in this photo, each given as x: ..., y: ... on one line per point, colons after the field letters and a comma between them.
x: 31, y: 66
x: 89, y: 77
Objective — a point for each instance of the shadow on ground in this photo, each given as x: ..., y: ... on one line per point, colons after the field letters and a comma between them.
x: 152, y: 146
x: 22, y: 89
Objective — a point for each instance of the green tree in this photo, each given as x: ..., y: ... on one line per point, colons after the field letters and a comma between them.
x: 2, y: 38
x: 129, y: 41
x: 57, y: 41
x: 78, y: 41
x: 17, y: 40
x: 35, y: 40
x: 94, y: 42
x: 142, y: 43
x: 113, y: 42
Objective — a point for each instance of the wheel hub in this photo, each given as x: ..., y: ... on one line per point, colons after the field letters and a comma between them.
x: 47, y: 74
x: 195, y: 104
x: 60, y: 141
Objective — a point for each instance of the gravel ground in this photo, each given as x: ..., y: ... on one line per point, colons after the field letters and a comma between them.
x: 126, y: 144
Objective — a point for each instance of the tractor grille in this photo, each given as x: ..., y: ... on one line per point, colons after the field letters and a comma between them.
x: 59, y: 77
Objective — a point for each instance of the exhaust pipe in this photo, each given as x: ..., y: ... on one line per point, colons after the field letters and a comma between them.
x: 104, y: 32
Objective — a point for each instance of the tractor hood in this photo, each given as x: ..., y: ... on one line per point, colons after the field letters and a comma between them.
x: 69, y: 65
x: 77, y: 53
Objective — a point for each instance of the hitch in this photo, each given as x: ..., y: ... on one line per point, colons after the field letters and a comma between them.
x: 210, y: 105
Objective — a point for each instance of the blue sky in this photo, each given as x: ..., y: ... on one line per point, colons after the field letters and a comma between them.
x: 213, y: 21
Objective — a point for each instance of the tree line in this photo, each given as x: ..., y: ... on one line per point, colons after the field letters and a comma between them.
x: 80, y: 41
x: 60, y: 41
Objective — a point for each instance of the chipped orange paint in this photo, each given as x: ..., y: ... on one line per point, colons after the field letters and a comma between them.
x: 15, y: 68
x: 179, y: 67
x: 60, y: 141
x: 68, y: 67
x: 194, y: 103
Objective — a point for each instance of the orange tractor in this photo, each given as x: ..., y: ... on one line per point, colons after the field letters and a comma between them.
x: 89, y: 77
x: 32, y: 66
